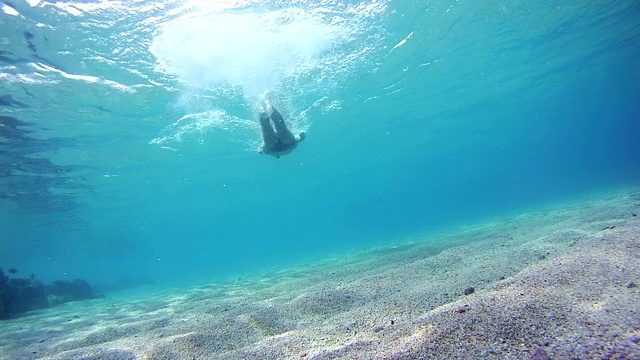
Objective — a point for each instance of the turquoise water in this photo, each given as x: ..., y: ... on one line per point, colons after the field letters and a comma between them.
x: 129, y: 129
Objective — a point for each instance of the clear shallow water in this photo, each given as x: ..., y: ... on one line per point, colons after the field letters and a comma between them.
x: 129, y: 128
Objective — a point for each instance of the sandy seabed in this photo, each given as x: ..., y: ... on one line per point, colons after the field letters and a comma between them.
x: 559, y: 283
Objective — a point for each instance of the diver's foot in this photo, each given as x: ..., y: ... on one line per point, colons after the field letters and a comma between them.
x: 264, y: 117
x: 264, y: 106
x: 267, y: 106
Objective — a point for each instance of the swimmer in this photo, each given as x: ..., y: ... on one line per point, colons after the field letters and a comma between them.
x: 279, y: 141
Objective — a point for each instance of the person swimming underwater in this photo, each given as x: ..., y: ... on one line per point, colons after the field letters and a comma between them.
x: 277, y: 141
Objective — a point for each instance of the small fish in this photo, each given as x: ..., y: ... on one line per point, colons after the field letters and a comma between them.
x: 12, y: 271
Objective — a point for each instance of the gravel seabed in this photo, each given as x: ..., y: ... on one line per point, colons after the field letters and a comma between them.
x: 559, y: 283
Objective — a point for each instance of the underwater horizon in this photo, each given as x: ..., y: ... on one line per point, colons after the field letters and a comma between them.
x: 129, y: 129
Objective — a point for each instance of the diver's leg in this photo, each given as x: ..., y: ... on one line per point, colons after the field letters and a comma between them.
x: 269, y: 135
x: 283, y: 133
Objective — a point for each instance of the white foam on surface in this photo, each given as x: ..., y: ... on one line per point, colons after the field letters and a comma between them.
x: 251, y: 51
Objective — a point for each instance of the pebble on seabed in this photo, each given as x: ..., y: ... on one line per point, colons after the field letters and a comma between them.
x: 469, y: 290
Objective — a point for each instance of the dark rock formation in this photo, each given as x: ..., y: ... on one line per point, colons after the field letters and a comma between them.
x: 22, y: 294
x: 4, y: 296
x: 25, y: 294
x: 64, y: 291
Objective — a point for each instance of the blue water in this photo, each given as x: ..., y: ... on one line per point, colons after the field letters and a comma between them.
x: 129, y: 129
